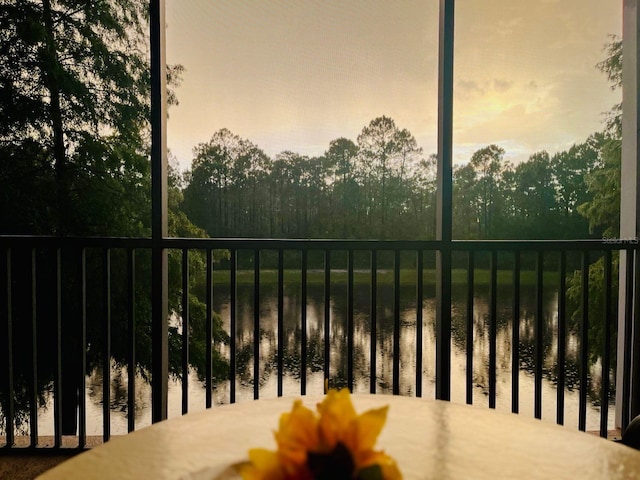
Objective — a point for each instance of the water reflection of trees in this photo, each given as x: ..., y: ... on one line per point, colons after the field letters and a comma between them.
x: 385, y: 321
x: 119, y: 392
x: 292, y: 335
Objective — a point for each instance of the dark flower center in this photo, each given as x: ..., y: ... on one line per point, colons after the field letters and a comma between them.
x: 338, y: 465
x: 334, y: 465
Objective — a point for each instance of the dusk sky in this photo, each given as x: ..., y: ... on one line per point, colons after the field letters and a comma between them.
x: 294, y: 75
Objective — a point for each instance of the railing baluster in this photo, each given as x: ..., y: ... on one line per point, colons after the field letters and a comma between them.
x: 57, y: 383
x: 106, y: 349
x: 538, y: 335
x: 515, y: 336
x: 280, y: 320
x: 584, y: 343
x: 233, y: 260
x: 419, y: 300
x: 374, y: 322
x: 303, y: 325
x: 82, y: 407
x: 7, y: 315
x: 327, y: 314
x: 562, y: 338
x: 469, y: 321
x: 33, y: 410
x: 634, y: 382
x: 186, y: 327
x: 256, y: 324
x: 396, y: 323
x: 209, y: 331
x: 493, y: 329
x: 631, y: 273
x: 350, y: 327
x: 131, y: 326
x: 606, y: 347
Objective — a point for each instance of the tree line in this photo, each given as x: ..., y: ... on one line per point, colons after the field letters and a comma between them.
x: 382, y: 186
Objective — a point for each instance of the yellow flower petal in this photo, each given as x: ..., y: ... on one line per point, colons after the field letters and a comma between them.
x: 390, y: 471
x: 371, y: 457
x: 369, y: 425
x: 336, y: 418
x: 263, y: 465
x: 298, y: 434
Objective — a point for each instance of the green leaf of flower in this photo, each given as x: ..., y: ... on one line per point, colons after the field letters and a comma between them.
x: 372, y: 472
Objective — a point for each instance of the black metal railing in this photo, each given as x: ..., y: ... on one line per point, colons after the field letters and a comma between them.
x: 76, y: 307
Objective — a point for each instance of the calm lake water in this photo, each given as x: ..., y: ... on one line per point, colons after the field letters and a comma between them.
x: 362, y: 360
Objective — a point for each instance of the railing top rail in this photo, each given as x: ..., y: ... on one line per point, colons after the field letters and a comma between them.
x: 16, y: 241
x: 585, y: 244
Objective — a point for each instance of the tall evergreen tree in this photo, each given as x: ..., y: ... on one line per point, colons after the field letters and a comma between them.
x: 386, y: 156
x: 487, y: 163
x: 74, y: 160
x: 75, y: 108
x: 226, y: 193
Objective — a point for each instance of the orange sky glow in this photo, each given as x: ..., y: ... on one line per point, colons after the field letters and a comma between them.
x: 294, y: 75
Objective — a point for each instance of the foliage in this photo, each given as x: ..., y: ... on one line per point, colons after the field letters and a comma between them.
x: 603, y: 213
x: 603, y: 210
x: 228, y: 175
x: 487, y: 165
x: 74, y: 160
x: 383, y: 187
x: 375, y: 188
x: 611, y: 66
x: 596, y: 308
x: 75, y: 88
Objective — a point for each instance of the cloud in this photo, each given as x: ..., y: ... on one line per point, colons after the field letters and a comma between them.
x: 296, y: 75
x: 500, y: 85
x: 476, y: 90
x: 532, y: 85
x: 468, y: 88
x: 532, y: 116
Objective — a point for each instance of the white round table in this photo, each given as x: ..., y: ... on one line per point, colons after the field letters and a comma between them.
x: 431, y: 440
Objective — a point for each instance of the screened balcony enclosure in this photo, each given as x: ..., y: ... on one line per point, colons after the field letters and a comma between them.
x: 347, y: 176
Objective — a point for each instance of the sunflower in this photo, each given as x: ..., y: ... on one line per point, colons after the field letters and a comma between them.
x: 335, y: 444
